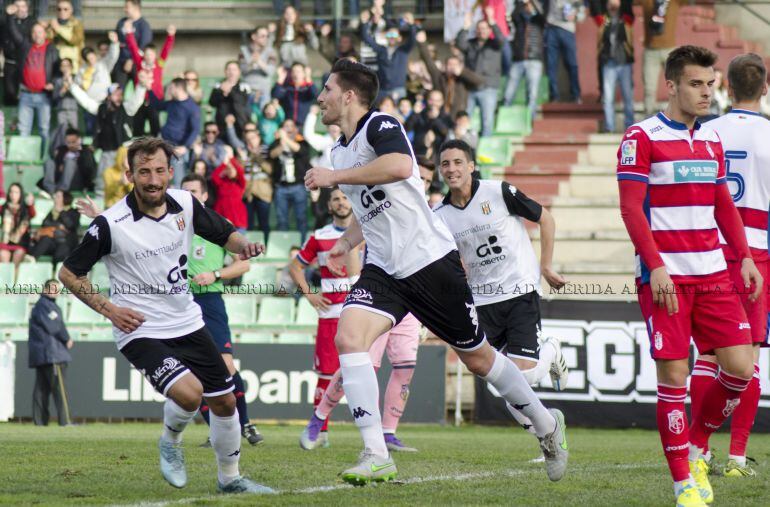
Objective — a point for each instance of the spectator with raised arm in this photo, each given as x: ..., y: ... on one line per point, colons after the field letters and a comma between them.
x: 377, y: 26
x: 344, y: 48
x: 231, y: 96
x: 296, y: 93
x: 270, y: 118
x: 258, y: 64
x: 94, y: 74
x: 292, y: 38
x: 561, y: 18
x: 16, y: 13
x: 259, y: 184
x: 67, y: 34
x: 433, y: 119
x: 230, y: 183
x: 124, y: 69
x: 392, y: 58
x: 290, y: 155
x: 528, y: 52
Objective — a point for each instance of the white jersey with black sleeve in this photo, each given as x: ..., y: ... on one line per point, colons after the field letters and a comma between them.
x: 493, y: 241
x: 146, y: 259
x: 402, y: 234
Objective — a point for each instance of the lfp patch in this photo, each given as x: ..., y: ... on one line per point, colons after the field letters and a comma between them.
x: 628, y: 152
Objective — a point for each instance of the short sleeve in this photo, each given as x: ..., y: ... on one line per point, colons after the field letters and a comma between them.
x: 309, y: 251
x: 210, y: 225
x: 519, y: 204
x: 96, y: 243
x: 386, y: 136
x: 634, y: 156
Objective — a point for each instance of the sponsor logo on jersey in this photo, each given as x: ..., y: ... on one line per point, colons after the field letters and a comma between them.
x: 695, y: 171
x: 180, y: 222
x: 632, y: 133
x: 628, y: 152
x: 122, y: 218
x: 486, y: 208
x: 656, y: 129
x: 676, y: 422
x: 677, y: 447
x: 744, y: 325
x: 489, y: 247
x: 179, y: 272
x: 658, y: 340
x: 169, y: 366
x: 730, y: 406
x: 386, y: 125
x: 368, y: 196
x: 94, y: 231
x: 359, y: 296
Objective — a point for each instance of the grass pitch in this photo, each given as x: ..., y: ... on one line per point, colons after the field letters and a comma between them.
x: 117, y: 464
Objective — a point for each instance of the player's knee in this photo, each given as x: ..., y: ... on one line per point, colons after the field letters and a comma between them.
x: 222, y: 406
x: 348, y: 343
x: 477, y: 364
x: 744, y: 371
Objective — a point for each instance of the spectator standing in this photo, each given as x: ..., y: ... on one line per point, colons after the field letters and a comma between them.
x: 500, y: 14
x: 720, y: 101
x: 292, y: 38
x: 193, y: 86
x: 116, y: 184
x: 290, y: 155
x: 660, y: 18
x: 142, y: 33
x: 529, y: 26
x: 482, y: 55
x: 561, y: 17
x: 376, y: 17
x: 393, y: 57
x: 616, y: 60
x: 230, y: 183
x: 464, y: 131
x: 259, y: 185
x: 58, y: 235
x: 212, y: 150
x: 270, y: 119
x: 49, y: 346
x: 15, y: 215
x: 38, y: 59
x: 72, y: 167
x: 67, y: 34
x: 434, y: 119
x: 455, y: 82
x: 17, y: 13
x: 231, y: 96
x: 258, y: 63
x: 297, y: 93
x: 182, y: 123
x: 64, y: 104
x: 94, y: 74
x: 323, y: 144
x: 454, y: 14
x: 345, y: 47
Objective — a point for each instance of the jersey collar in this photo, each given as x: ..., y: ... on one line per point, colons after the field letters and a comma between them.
x: 744, y: 111
x: 675, y: 124
x: 474, y: 188
x: 171, y: 207
x: 359, y: 126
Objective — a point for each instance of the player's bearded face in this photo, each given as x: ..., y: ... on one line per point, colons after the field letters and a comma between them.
x: 151, y: 176
x: 339, y: 205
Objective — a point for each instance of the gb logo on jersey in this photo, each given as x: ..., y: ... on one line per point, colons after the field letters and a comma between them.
x: 178, y: 273
x: 368, y: 196
x: 628, y: 152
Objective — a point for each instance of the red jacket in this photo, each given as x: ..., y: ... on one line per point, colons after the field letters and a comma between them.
x: 160, y: 62
x: 229, y: 201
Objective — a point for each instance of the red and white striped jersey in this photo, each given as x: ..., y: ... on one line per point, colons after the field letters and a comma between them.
x: 316, y: 248
x: 746, y: 140
x: 682, y: 170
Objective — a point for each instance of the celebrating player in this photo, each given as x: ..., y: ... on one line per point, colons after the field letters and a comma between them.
x: 485, y: 218
x: 144, y: 240
x: 412, y: 266
x: 744, y: 134
x: 673, y: 196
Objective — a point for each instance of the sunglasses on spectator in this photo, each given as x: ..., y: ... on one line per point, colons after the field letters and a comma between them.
x: 392, y: 36
x: 193, y: 79
x: 249, y: 130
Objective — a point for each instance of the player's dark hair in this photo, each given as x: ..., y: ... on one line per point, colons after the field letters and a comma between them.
x: 149, y: 146
x: 687, y: 55
x: 358, y: 78
x: 426, y: 163
x: 458, y: 144
x: 196, y: 177
x: 747, y: 76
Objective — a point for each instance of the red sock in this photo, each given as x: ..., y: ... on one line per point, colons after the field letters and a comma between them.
x: 743, y: 417
x: 703, y: 374
x: 672, y: 426
x: 320, y: 389
x: 719, y: 401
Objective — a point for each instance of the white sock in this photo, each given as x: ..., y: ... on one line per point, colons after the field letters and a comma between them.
x: 513, y: 387
x: 362, y: 391
x: 695, y: 453
x: 175, y: 418
x: 523, y: 420
x: 225, y: 433
x: 741, y: 460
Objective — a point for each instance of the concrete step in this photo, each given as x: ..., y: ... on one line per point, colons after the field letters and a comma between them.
x: 586, y: 218
x: 583, y: 251
x: 566, y: 110
x: 589, y: 186
x: 600, y: 154
x: 547, y: 156
x: 575, y: 125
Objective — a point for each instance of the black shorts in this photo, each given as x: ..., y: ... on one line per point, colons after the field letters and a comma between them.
x: 438, y: 295
x: 513, y: 325
x: 163, y: 362
x: 215, y: 317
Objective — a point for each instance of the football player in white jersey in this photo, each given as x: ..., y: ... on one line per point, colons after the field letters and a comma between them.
x: 485, y: 218
x: 412, y: 266
x: 144, y: 241
x: 744, y: 133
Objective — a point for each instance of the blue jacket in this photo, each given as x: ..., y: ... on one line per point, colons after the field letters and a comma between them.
x: 183, y: 120
x: 295, y: 100
x: 47, y: 335
x: 391, y: 69
x: 142, y: 32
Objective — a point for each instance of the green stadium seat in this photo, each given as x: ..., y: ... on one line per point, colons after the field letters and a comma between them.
x: 279, y: 244
x: 13, y: 309
x: 513, y: 120
x: 82, y: 315
x: 42, y: 208
x: 10, y: 175
x: 296, y: 338
x: 256, y: 337
x: 6, y: 274
x: 306, y: 314
x: 255, y: 236
x: 30, y: 175
x: 496, y: 151
x: 100, y: 277
x: 241, y: 309
x: 261, y: 278
x: 476, y: 120
x: 276, y: 311
x: 24, y: 150
x: 34, y: 273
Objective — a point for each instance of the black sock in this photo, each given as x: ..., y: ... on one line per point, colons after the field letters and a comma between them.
x: 240, y: 399
x: 204, y: 410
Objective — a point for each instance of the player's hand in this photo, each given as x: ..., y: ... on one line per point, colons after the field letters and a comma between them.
x: 251, y: 250
x: 335, y: 260
x: 326, y: 30
x: 204, y: 279
x: 125, y: 319
x: 87, y: 207
x: 318, y: 300
x: 70, y: 344
x: 750, y: 274
x: 664, y: 290
x: 554, y: 279
x: 171, y: 30
x: 319, y: 177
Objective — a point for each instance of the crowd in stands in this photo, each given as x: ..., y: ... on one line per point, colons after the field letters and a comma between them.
x: 264, y: 133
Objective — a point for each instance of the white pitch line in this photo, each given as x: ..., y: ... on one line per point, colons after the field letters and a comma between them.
x: 412, y: 480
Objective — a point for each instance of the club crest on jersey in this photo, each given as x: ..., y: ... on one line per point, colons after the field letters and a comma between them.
x: 180, y: 222
x: 628, y: 152
x: 658, y: 340
x: 199, y: 252
x: 486, y: 208
x: 676, y: 422
x: 730, y: 406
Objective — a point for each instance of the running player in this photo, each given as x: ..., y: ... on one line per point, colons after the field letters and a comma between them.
x: 744, y: 134
x: 485, y: 218
x: 412, y: 266
x: 144, y: 240
x: 673, y: 195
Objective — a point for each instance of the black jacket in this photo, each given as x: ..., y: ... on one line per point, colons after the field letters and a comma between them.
x: 301, y: 163
x: 528, y: 40
x: 485, y: 59
x: 235, y: 103
x: 24, y: 43
x: 84, y: 177
x: 48, y: 336
x: 118, y: 121
x: 23, y: 26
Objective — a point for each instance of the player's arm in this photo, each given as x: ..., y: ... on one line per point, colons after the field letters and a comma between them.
x: 338, y: 257
x: 96, y: 243
x: 304, y: 258
x: 237, y: 268
x: 211, y: 226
